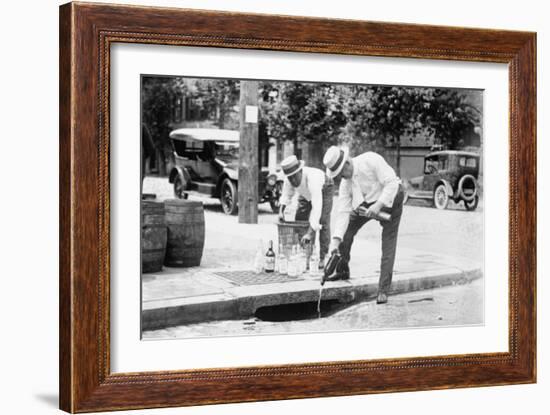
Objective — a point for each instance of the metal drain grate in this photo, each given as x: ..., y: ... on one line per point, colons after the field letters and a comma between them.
x: 251, y: 278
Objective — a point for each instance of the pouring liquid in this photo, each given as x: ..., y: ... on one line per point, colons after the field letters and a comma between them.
x: 319, y: 302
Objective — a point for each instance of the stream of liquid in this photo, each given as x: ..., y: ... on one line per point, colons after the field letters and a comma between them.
x: 319, y: 301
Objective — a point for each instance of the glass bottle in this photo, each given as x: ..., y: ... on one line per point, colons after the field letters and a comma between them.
x: 270, y: 258
x: 314, y: 261
x: 259, y: 258
x: 282, y: 261
x: 292, y: 265
x: 303, y: 259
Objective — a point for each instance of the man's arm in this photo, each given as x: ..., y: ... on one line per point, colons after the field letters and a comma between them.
x: 344, y: 207
x: 315, y: 185
x: 287, y: 193
x: 286, y: 197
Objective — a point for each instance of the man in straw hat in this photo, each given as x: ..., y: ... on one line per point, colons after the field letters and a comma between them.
x: 368, y: 190
x: 315, y: 193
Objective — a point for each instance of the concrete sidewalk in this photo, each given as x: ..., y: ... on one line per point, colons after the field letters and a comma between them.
x: 179, y: 296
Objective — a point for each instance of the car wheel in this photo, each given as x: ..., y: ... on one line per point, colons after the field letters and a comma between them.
x: 228, y: 197
x: 472, y: 204
x: 467, y: 188
x: 441, y: 197
x: 179, y: 188
x: 275, y: 202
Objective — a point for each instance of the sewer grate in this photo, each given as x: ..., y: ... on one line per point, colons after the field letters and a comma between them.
x: 251, y: 278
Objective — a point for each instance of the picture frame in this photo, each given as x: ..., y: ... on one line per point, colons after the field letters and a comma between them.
x: 87, y: 32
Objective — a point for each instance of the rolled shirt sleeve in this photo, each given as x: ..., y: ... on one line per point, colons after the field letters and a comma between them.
x: 344, y: 208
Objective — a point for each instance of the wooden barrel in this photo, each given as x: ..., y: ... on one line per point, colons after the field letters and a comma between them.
x: 153, y: 236
x: 185, y: 223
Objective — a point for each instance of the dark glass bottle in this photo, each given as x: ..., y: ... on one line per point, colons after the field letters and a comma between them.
x: 270, y: 258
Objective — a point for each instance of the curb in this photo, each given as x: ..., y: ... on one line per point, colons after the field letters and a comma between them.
x: 243, y: 302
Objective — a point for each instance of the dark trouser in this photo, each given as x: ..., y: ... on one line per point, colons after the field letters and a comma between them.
x: 389, y: 238
x: 304, y: 210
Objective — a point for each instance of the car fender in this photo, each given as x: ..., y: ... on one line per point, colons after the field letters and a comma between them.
x: 178, y: 171
x: 448, y: 186
x: 221, y: 178
x: 231, y: 173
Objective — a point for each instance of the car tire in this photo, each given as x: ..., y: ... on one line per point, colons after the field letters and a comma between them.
x: 462, y: 195
x: 275, y: 203
x: 179, y: 187
x: 229, y: 197
x: 441, y: 197
x: 471, y: 205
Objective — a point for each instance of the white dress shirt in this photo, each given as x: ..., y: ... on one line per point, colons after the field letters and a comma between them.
x: 373, y: 180
x: 311, y: 188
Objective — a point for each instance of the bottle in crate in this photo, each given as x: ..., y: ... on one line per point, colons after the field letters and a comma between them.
x: 292, y: 263
x: 314, y: 261
x: 282, y: 261
x: 290, y: 213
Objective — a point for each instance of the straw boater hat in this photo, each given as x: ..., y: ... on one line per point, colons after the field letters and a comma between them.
x: 291, y: 165
x: 334, y: 160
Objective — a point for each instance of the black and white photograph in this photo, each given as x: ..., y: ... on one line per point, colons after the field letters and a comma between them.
x: 283, y: 207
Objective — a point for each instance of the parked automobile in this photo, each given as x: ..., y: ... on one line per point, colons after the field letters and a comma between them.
x: 448, y: 175
x: 206, y: 164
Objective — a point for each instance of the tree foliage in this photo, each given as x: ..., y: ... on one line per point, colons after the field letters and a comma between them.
x: 214, y: 98
x: 450, y: 115
x: 303, y: 111
x: 157, y: 95
x: 366, y: 117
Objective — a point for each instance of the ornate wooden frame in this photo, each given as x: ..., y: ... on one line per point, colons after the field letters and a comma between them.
x: 86, y: 33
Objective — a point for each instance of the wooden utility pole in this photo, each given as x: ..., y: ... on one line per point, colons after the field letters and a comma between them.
x: 248, y: 153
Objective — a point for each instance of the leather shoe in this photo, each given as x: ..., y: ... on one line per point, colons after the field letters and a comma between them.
x: 382, y: 298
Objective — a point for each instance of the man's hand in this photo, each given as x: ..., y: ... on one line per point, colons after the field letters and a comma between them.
x: 306, y: 239
x: 282, y: 214
x: 334, y: 245
x: 372, y: 211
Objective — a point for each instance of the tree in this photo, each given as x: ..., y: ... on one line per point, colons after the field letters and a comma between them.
x: 157, y: 94
x: 392, y: 112
x: 358, y: 133
x: 302, y: 112
x: 216, y: 99
x: 450, y: 116
x: 385, y: 114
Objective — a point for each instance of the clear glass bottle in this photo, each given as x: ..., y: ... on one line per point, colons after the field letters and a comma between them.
x: 282, y: 261
x: 303, y: 259
x: 290, y: 213
x: 314, y: 261
x: 259, y: 258
x: 292, y: 263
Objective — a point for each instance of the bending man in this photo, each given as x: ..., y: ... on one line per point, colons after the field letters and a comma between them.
x: 315, y: 193
x: 369, y: 186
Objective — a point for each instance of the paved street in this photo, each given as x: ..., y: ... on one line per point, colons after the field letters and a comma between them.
x: 435, y: 249
x: 454, y: 232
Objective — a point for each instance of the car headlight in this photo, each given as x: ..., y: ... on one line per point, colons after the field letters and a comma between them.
x: 271, y: 180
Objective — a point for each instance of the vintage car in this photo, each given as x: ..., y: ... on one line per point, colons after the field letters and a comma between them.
x: 206, y: 163
x: 448, y: 175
